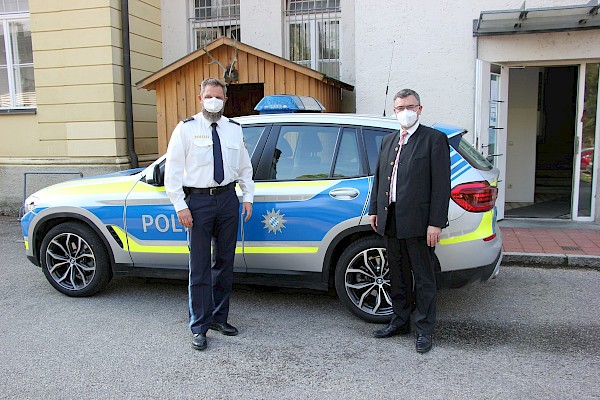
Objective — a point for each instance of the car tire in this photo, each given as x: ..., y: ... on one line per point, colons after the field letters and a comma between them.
x: 362, y: 280
x: 74, y: 260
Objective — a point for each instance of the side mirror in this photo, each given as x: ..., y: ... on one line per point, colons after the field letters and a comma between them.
x: 158, y: 175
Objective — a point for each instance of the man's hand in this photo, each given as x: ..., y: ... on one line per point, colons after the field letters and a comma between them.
x: 246, y: 210
x: 433, y: 235
x: 374, y: 222
x: 185, y: 218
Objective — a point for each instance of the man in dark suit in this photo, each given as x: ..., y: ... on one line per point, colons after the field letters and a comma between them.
x: 409, y: 207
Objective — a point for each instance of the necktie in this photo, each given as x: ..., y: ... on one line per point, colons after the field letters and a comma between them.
x: 217, y: 155
x: 392, y: 196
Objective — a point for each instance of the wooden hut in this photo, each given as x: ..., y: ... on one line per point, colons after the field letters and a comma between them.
x: 250, y: 73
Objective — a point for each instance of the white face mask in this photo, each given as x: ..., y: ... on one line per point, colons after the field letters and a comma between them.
x: 212, y: 104
x: 407, y: 118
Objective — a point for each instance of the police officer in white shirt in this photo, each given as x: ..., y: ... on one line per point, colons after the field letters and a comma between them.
x: 206, y: 156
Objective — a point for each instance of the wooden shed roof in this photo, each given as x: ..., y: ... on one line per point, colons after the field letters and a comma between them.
x: 150, y: 81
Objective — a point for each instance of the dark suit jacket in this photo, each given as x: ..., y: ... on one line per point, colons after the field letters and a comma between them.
x: 423, y: 186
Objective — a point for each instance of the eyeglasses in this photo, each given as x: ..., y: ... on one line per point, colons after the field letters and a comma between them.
x: 411, y: 107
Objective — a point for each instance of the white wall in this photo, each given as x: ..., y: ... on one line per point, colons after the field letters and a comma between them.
x: 261, y: 23
x: 348, y: 53
x: 175, y: 29
x: 433, y: 53
x: 522, y: 130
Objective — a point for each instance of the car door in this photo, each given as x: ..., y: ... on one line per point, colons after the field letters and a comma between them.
x: 310, y: 185
x: 155, y: 238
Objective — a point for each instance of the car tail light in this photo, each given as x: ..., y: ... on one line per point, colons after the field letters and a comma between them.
x: 475, y: 196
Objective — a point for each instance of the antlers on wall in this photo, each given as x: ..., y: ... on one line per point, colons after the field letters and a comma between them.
x: 230, y: 74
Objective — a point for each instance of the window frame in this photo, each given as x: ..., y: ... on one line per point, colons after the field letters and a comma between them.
x: 6, y: 20
x: 223, y: 25
x: 313, y: 18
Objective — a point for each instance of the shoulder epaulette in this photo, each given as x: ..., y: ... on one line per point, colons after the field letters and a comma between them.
x: 189, y: 119
x: 234, y: 122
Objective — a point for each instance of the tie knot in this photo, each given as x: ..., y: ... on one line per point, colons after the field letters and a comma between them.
x: 214, y: 124
x: 403, y: 136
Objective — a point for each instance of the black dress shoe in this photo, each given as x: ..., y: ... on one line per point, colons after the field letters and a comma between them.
x: 224, y: 328
x: 424, y: 343
x: 392, y: 330
x: 199, y: 341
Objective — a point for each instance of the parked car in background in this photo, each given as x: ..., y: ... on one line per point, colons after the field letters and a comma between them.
x: 309, y: 228
x: 587, y: 160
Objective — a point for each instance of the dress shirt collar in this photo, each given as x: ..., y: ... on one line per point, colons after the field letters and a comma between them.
x: 206, y: 124
x: 410, y: 131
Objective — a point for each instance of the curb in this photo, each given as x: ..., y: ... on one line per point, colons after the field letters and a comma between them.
x: 551, y: 260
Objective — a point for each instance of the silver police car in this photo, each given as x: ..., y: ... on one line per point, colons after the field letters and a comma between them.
x: 310, y: 228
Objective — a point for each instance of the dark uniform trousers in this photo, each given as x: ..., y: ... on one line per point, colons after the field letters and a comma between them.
x: 215, y: 220
x: 412, y: 265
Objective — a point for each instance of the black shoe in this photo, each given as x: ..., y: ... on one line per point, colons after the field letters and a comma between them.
x: 424, y: 343
x: 392, y: 330
x: 224, y: 328
x: 199, y: 341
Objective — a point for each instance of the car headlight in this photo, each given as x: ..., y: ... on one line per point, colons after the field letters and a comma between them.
x: 31, y: 203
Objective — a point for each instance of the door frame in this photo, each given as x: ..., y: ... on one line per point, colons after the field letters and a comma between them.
x: 483, y: 122
x: 578, y: 148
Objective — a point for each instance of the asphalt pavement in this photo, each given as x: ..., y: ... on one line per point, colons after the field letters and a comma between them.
x: 531, y: 333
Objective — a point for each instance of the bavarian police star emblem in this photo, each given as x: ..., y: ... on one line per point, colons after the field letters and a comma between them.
x: 274, y: 221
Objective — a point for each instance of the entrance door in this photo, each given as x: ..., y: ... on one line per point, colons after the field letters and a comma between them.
x: 491, y: 102
x: 588, y: 124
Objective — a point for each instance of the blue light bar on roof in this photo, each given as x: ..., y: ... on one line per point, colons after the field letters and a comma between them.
x: 288, y: 103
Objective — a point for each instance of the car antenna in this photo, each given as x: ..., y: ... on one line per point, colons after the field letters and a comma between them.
x: 388, y: 81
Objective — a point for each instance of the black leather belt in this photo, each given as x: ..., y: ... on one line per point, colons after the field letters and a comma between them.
x: 210, y: 191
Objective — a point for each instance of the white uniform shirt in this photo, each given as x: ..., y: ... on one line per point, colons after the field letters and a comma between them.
x: 410, y: 132
x: 189, y: 160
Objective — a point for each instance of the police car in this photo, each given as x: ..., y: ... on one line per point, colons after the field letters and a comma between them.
x: 309, y: 227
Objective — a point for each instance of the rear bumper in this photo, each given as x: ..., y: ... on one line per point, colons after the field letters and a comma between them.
x: 464, y: 277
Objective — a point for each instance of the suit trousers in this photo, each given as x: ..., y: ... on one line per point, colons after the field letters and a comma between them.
x: 412, y: 274
x: 215, y: 222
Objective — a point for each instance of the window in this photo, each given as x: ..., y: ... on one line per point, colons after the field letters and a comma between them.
x: 251, y: 136
x: 313, y: 34
x: 304, y: 152
x: 17, y: 84
x: 347, y: 162
x: 212, y: 19
x: 373, y: 139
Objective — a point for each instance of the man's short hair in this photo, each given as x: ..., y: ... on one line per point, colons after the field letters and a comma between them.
x: 404, y: 93
x: 212, y: 82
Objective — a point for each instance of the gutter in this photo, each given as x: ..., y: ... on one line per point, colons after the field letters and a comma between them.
x: 127, y: 83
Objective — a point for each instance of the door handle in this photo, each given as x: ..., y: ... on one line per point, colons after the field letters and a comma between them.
x: 344, y: 193
x: 490, y: 157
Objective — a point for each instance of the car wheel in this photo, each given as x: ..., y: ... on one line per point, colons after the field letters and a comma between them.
x: 362, y: 280
x: 74, y: 260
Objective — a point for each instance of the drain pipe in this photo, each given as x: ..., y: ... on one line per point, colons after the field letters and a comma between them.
x: 127, y: 83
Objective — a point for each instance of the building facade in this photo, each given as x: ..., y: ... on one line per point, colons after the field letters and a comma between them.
x: 62, y: 86
x: 522, y: 78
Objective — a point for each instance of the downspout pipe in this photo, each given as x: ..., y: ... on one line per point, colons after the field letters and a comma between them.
x: 127, y: 83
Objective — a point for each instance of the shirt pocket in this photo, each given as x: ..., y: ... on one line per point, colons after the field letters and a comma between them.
x: 233, y: 155
x: 202, y: 151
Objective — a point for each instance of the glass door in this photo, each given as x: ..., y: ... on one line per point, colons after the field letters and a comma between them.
x: 584, y: 178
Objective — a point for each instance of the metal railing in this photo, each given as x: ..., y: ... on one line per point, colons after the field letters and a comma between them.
x: 22, y: 209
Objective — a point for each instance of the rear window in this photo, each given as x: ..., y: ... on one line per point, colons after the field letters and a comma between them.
x: 469, y: 153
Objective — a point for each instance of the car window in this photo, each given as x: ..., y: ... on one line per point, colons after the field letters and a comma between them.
x: 473, y: 157
x: 373, y: 138
x: 347, y: 162
x: 251, y: 136
x: 304, y: 152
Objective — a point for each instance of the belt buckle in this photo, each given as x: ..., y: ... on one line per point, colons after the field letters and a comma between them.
x: 212, y: 191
